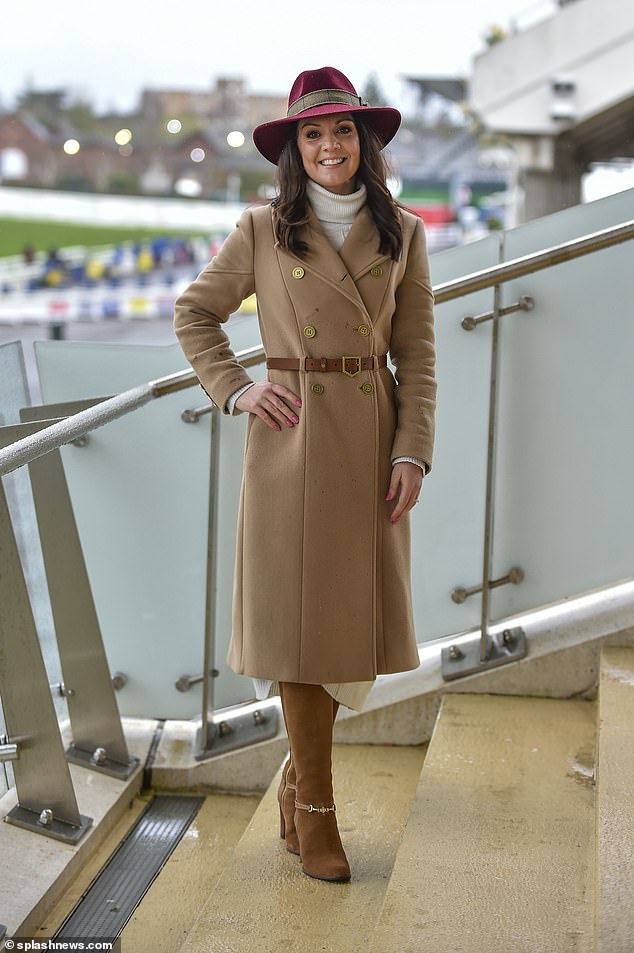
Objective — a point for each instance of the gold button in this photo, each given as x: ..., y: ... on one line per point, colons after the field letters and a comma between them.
x: 298, y: 272
x: 318, y: 388
x: 367, y: 387
x: 310, y: 331
x: 363, y: 329
x: 376, y: 272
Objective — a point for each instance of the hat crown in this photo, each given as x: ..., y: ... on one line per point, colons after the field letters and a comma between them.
x: 313, y: 80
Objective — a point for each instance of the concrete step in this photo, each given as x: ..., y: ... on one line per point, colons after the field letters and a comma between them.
x: 497, y: 855
x: 163, y: 918
x: 615, y: 803
x: 264, y: 902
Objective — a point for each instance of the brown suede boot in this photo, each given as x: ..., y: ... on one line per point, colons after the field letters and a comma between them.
x: 286, y: 801
x: 309, y: 712
x: 286, y: 797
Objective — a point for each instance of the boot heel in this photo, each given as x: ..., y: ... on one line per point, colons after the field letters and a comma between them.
x: 282, y: 824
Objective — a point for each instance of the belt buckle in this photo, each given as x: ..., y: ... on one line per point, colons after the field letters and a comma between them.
x: 351, y: 357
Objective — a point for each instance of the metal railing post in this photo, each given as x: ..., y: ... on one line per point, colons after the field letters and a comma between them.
x: 242, y: 729
x: 46, y: 799
x: 98, y: 739
x: 510, y: 645
x: 489, y: 508
x: 205, y: 738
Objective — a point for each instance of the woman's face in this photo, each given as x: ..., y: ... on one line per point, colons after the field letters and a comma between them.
x: 330, y: 151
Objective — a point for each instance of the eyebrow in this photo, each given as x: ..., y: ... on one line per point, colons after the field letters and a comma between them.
x: 307, y: 122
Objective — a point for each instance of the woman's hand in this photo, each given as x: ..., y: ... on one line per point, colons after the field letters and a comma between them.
x: 405, y: 488
x: 265, y: 400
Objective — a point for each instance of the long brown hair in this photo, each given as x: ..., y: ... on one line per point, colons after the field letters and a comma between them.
x: 291, y: 204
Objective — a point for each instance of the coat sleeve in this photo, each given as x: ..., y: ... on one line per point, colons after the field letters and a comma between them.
x: 412, y: 351
x: 207, y: 303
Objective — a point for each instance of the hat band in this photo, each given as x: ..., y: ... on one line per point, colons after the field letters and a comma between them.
x: 322, y: 97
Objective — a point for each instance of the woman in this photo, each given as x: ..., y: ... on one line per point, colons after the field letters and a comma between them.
x: 336, y: 449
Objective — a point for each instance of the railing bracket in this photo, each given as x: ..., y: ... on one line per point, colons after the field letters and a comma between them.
x: 45, y: 822
x: 9, y: 750
x: 98, y: 760
x: 237, y: 732
x: 524, y: 303
x: 506, y: 646
x: 193, y: 416
x: 514, y: 575
x: 185, y: 682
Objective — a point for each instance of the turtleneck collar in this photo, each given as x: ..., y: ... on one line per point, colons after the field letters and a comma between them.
x: 335, y: 208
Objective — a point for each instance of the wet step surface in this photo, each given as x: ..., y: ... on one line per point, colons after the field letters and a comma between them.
x: 615, y: 803
x: 263, y: 901
x: 165, y: 915
x: 497, y: 855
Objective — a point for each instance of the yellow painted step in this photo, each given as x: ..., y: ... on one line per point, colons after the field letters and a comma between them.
x: 615, y: 803
x: 497, y: 855
x: 264, y: 903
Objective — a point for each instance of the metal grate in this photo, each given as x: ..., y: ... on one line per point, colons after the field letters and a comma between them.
x: 113, y: 897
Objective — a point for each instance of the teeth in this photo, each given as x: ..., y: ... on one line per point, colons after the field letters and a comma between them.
x: 331, y: 161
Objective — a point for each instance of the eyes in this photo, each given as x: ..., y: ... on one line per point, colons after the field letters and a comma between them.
x: 345, y: 129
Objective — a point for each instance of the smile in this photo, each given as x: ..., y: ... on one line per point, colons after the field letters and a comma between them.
x: 332, y: 161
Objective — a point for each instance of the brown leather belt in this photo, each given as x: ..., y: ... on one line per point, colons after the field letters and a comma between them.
x: 349, y: 364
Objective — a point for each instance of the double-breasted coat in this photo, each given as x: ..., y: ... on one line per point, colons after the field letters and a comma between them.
x: 322, y: 578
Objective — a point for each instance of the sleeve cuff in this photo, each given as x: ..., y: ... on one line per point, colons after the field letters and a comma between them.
x: 419, y: 463
x: 231, y: 402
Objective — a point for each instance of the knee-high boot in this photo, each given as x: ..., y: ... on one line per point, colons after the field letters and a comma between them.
x: 286, y: 794
x: 309, y: 712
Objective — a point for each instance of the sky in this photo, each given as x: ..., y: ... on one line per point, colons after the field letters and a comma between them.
x: 109, y: 50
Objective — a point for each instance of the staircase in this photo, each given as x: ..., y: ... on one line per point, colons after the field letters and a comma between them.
x: 512, y: 832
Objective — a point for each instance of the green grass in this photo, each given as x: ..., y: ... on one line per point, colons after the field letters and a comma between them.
x: 16, y: 233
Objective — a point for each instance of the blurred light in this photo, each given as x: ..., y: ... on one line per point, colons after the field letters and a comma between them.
x: 173, y: 126
x: 188, y: 187
x: 197, y: 155
x: 235, y: 139
x: 123, y: 137
x: 71, y: 147
x: 126, y: 150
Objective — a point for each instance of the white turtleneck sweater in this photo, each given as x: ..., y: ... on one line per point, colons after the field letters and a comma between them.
x: 336, y: 213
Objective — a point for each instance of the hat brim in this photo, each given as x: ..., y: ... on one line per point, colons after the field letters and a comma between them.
x: 270, y: 137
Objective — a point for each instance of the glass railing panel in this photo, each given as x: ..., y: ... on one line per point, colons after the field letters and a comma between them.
x: 140, y: 493
x: 447, y: 525
x: 565, y: 453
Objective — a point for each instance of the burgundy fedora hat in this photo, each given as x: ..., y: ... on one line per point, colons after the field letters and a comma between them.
x: 322, y: 92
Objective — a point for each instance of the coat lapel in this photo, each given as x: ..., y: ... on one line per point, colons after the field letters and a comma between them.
x: 341, y: 269
x: 360, y: 251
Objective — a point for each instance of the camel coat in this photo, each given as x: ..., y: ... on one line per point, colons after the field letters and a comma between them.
x: 322, y: 578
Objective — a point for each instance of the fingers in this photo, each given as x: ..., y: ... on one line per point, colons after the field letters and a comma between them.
x: 268, y: 402
x: 405, y: 488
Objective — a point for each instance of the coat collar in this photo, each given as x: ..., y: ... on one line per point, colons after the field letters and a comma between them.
x: 357, y: 255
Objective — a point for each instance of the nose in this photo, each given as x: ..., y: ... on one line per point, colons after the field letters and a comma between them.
x: 330, y: 141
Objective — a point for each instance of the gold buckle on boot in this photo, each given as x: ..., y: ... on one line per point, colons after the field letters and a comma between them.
x: 316, y: 810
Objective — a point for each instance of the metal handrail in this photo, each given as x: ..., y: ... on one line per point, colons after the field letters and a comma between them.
x: 535, y: 261
x: 57, y: 435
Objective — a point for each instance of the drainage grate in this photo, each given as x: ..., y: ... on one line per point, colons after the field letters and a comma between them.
x: 113, y: 897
